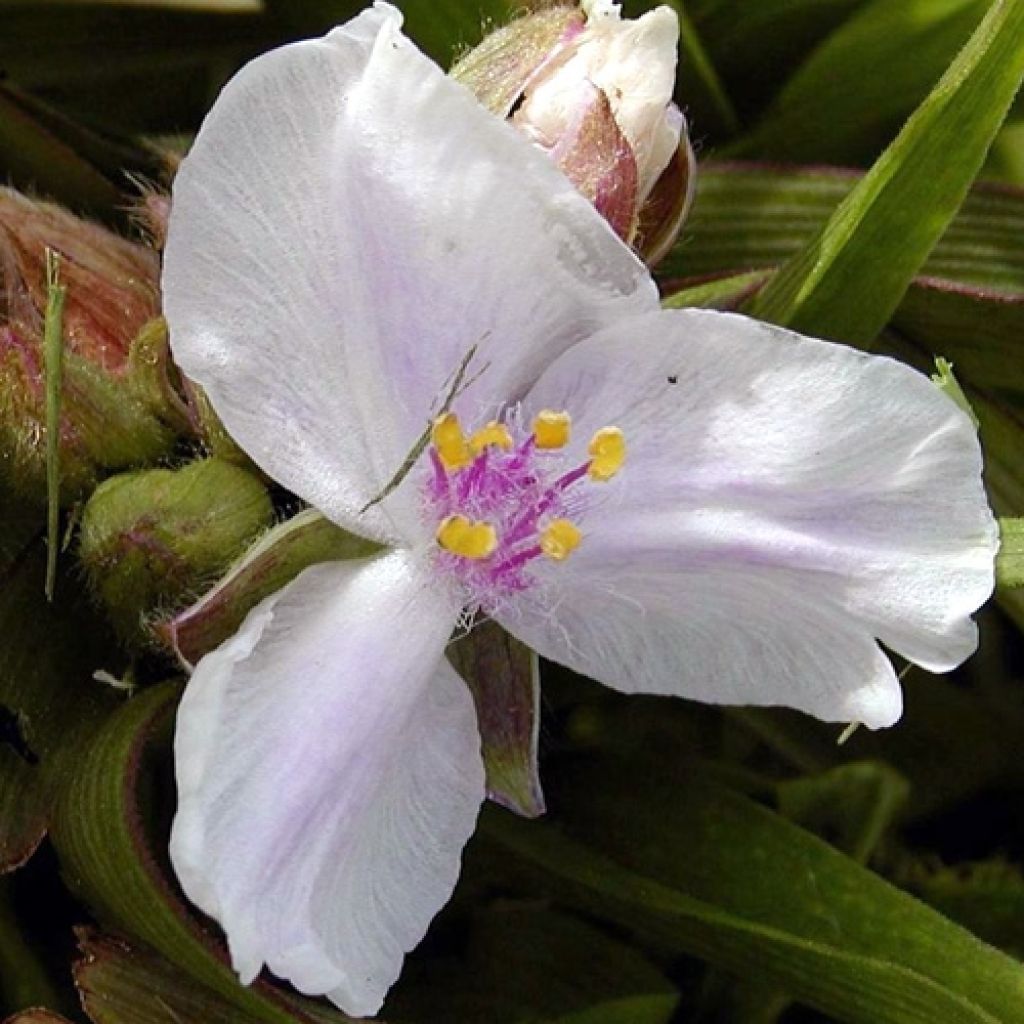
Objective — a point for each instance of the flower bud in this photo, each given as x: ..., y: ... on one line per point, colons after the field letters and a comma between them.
x: 151, y: 541
x: 594, y: 91
x: 111, y: 416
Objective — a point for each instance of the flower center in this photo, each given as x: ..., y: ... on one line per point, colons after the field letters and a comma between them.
x: 502, y: 498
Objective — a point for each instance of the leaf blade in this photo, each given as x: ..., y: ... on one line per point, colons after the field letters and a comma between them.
x: 846, y: 283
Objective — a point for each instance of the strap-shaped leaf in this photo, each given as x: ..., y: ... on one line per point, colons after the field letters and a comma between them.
x: 852, y: 93
x: 848, y: 280
x: 112, y: 846
x: 122, y: 984
x: 48, y: 699
x: 695, y: 867
x: 525, y: 962
x: 758, y: 215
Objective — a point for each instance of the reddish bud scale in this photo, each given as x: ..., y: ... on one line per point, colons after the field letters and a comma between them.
x: 112, y: 284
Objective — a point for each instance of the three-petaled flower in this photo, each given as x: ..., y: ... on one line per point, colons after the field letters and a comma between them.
x: 671, y: 502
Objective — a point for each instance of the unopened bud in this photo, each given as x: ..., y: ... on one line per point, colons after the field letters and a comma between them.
x: 594, y: 91
x: 109, y: 418
x: 152, y: 541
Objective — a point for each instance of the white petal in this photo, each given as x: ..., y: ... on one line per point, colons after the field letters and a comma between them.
x: 329, y: 773
x: 722, y: 636
x: 771, y: 476
x: 348, y: 224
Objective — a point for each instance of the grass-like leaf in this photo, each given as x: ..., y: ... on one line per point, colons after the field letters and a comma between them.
x: 695, y: 867
x: 867, y: 76
x: 848, y: 281
x: 112, y: 841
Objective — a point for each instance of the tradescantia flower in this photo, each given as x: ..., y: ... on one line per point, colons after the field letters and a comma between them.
x: 409, y: 317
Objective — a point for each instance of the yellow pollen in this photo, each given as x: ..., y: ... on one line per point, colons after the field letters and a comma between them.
x: 560, y: 539
x: 551, y: 429
x: 494, y: 434
x: 607, y: 453
x: 468, y: 539
x: 449, y: 442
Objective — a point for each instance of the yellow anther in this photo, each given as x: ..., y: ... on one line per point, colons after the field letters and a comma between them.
x: 607, y: 453
x: 449, y: 442
x: 494, y: 434
x: 560, y: 539
x: 468, y: 539
x: 551, y: 429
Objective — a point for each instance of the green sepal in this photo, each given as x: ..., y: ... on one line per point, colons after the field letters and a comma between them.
x: 152, y: 540
x: 503, y: 675
x: 273, y: 561
x: 497, y: 69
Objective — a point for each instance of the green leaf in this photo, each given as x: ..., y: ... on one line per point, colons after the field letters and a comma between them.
x: 753, y: 46
x: 853, y: 806
x: 848, y: 281
x: 24, y: 979
x: 112, y: 844
x: 47, y: 695
x: 694, y: 867
x: 527, y: 963
x: 721, y: 293
x: 698, y: 87
x: 1010, y: 560
x: 274, y: 560
x: 122, y: 984
x: 129, y: 68
x: 852, y: 93
x: 977, y: 330
x: 36, y: 158
x: 987, y: 897
x: 953, y: 741
x: 752, y: 215
x: 967, y: 305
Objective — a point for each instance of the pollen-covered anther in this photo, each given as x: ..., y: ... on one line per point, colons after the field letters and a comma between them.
x: 560, y: 539
x: 551, y: 429
x: 493, y: 435
x: 466, y: 538
x: 607, y: 450
x: 449, y: 442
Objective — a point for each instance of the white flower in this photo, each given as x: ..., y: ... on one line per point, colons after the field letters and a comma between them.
x: 682, y: 502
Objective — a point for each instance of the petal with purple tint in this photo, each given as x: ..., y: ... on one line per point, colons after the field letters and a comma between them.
x: 783, y: 503
x: 348, y: 225
x: 328, y: 778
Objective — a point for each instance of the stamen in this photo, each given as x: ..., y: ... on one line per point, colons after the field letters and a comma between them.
x: 560, y: 539
x: 551, y: 429
x: 495, y: 435
x: 608, y: 452
x: 449, y: 442
x: 466, y: 538
x: 500, y: 500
